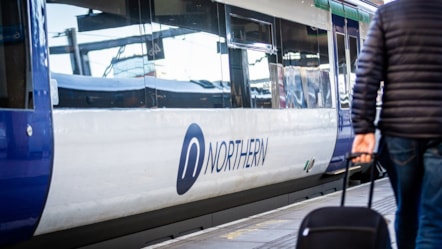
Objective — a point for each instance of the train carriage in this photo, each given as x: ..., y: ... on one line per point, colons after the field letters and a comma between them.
x: 122, y: 117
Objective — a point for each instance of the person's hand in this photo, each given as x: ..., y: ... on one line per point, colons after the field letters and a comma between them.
x: 363, y: 143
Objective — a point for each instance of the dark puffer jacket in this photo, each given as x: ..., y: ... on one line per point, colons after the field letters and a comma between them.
x: 403, y: 49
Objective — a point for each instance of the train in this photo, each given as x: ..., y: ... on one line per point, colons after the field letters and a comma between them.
x: 125, y: 117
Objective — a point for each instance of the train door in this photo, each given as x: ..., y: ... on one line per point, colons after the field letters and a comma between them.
x: 252, y: 58
x: 25, y: 120
x: 346, y: 37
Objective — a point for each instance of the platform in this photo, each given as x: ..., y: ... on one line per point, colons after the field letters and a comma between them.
x: 278, y: 228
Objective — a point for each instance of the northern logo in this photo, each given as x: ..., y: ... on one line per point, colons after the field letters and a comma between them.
x: 191, y: 159
x: 222, y: 156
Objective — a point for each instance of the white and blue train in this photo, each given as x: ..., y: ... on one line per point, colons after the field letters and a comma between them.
x: 124, y: 116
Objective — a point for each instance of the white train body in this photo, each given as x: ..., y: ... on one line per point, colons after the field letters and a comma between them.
x: 109, y: 168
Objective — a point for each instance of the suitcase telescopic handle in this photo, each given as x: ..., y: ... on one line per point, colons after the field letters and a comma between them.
x: 351, y: 156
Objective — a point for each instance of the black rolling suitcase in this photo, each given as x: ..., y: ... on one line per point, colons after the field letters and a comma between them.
x: 345, y: 227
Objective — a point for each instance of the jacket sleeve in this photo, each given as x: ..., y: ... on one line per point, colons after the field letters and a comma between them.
x: 369, y: 74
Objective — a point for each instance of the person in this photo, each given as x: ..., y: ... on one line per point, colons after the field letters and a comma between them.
x: 404, y: 51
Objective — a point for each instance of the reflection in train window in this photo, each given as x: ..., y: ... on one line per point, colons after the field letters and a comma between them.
x: 191, y: 61
x: 343, y: 83
x: 254, y: 70
x: 353, y: 48
x: 124, y: 54
x: 151, y: 53
x: 96, y: 54
x: 259, y: 76
x: 306, y: 66
x: 250, y: 32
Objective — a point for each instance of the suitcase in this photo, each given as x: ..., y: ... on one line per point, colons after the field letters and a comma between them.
x: 345, y: 227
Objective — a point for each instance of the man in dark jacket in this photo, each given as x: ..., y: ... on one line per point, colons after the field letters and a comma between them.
x: 404, y: 50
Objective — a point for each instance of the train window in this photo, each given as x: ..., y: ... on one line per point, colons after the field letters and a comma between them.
x: 15, y: 84
x: 343, y: 83
x: 353, y: 48
x: 96, y: 53
x: 254, y: 78
x: 259, y: 76
x: 190, y: 65
x: 306, y: 66
x: 134, y: 53
x: 252, y: 56
x: 249, y: 29
x: 347, y: 47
